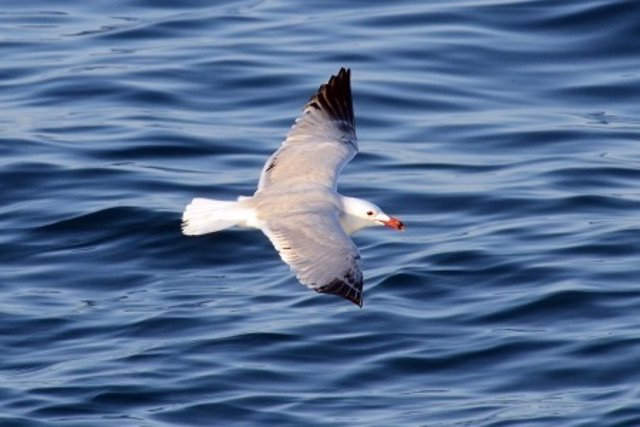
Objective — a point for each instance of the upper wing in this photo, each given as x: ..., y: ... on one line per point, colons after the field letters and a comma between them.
x: 320, y: 142
x: 320, y: 253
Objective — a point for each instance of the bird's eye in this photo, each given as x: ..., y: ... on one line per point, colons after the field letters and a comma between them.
x: 369, y: 213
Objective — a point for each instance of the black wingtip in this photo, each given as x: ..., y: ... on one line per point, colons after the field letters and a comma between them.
x: 344, y: 289
x: 334, y: 97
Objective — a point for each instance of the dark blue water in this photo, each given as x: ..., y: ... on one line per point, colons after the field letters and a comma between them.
x: 506, y: 134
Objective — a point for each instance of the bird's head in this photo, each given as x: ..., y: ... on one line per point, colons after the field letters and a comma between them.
x: 368, y: 214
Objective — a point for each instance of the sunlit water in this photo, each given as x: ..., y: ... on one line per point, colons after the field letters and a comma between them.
x: 504, y: 133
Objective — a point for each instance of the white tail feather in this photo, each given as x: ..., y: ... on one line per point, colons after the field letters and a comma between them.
x: 203, y: 216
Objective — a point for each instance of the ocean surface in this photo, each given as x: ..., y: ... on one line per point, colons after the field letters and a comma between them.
x: 504, y: 133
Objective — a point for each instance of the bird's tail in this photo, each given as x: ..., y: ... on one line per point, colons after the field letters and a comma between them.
x: 203, y: 216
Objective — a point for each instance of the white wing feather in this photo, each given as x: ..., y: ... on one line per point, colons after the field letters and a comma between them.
x: 320, y: 253
x: 320, y: 143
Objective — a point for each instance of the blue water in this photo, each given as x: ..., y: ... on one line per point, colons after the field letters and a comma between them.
x: 504, y: 133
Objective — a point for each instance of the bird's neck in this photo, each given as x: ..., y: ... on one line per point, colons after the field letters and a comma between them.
x: 351, y: 223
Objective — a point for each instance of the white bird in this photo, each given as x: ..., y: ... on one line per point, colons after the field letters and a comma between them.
x: 297, y: 204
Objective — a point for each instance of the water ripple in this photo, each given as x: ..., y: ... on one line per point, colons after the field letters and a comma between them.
x: 504, y: 134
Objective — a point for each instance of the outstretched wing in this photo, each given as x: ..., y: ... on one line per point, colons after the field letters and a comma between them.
x: 320, y: 253
x: 320, y: 143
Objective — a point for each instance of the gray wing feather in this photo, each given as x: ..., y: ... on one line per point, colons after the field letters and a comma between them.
x: 320, y: 253
x: 320, y: 143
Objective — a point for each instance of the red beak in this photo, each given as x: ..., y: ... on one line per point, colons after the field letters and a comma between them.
x: 395, y: 223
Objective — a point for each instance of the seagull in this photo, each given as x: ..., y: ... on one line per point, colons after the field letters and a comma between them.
x: 296, y: 204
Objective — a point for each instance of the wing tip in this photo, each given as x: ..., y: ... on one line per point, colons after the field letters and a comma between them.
x: 342, y: 288
x: 334, y: 97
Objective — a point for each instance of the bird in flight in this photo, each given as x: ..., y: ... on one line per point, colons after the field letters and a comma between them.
x: 296, y: 204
